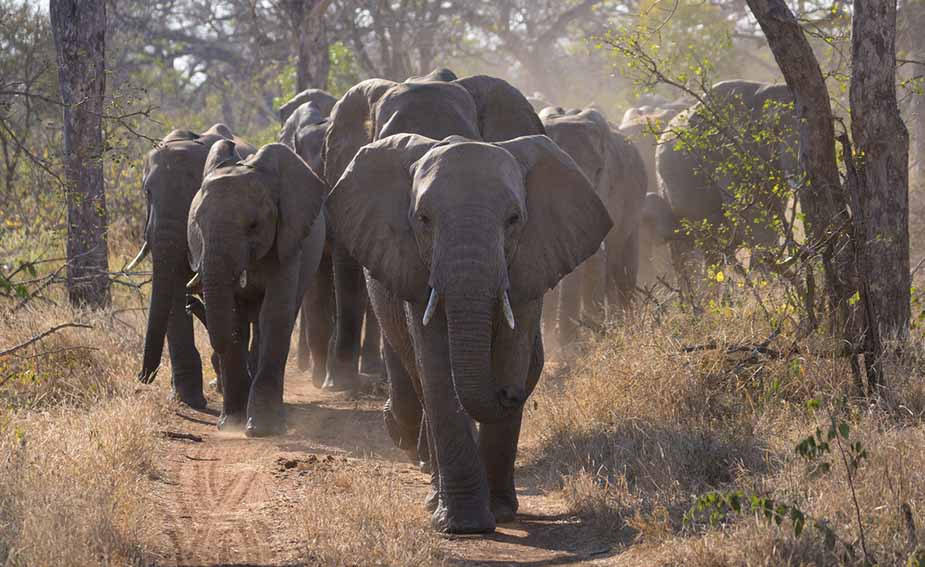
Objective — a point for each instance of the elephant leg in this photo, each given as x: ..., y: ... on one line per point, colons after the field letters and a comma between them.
x: 622, y: 271
x: 432, y: 500
x: 569, y: 302
x: 317, y: 321
x: 463, y: 496
x: 265, y: 412
x: 498, y: 447
x: 303, y: 352
x: 185, y: 363
x: 592, y: 289
x: 371, y: 361
x: 217, y: 368
x: 403, y: 411
x: 235, y: 379
x: 350, y: 299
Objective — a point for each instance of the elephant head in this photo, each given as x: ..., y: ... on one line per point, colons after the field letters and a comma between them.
x: 658, y: 219
x: 304, y: 132
x: 478, y: 107
x: 246, y: 213
x: 323, y: 100
x: 473, y: 228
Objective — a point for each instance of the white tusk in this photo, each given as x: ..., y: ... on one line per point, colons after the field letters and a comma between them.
x: 431, y: 306
x: 508, y: 312
x: 242, y: 281
x: 195, y: 281
x: 142, y: 254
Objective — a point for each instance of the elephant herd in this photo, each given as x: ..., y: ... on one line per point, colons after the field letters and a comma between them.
x: 436, y: 228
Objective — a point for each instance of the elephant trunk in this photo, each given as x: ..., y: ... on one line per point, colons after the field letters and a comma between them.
x: 163, y: 290
x: 472, y: 299
x: 218, y: 294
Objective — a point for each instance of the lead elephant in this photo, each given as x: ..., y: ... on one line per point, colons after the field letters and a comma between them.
x: 697, y: 184
x: 172, y: 175
x: 460, y: 239
x: 436, y: 105
x: 616, y: 171
x: 256, y: 233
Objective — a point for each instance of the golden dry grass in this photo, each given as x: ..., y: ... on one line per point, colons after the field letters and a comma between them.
x: 76, y: 441
x: 641, y: 428
x: 351, y: 520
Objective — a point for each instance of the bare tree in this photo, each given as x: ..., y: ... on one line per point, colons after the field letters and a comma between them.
x: 79, y: 29
x: 309, y: 30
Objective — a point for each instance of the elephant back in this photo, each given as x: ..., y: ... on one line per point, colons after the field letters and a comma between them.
x: 323, y: 100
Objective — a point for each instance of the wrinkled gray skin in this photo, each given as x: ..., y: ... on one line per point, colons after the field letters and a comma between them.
x: 447, y: 231
x: 687, y: 192
x: 172, y: 175
x: 256, y: 233
x: 430, y: 106
x: 323, y: 101
x: 643, y: 125
x: 615, y: 170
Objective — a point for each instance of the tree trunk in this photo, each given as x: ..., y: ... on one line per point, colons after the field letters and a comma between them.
x: 881, y: 159
x: 79, y: 28
x: 821, y: 197
x: 310, y: 32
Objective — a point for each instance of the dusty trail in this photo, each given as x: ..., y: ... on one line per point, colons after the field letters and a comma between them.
x: 228, y: 500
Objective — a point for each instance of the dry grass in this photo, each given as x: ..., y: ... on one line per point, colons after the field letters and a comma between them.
x: 349, y: 520
x: 640, y: 429
x: 76, y: 441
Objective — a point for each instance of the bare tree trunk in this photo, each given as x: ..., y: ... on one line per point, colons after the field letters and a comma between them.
x: 79, y: 28
x: 822, y: 197
x: 310, y: 30
x: 882, y: 160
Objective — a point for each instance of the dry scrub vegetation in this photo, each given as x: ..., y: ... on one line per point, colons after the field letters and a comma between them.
x: 76, y: 441
x: 641, y: 429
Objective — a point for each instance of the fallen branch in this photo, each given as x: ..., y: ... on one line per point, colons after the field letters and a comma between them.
x: 41, y: 336
x: 182, y: 436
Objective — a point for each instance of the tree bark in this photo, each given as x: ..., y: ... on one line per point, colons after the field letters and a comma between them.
x: 881, y: 160
x: 79, y: 29
x: 310, y: 31
x: 822, y: 198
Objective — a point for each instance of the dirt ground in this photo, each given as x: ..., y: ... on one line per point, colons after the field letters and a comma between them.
x: 229, y: 500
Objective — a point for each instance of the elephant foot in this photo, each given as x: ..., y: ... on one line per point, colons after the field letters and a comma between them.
x: 372, y: 368
x: 403, y: 437
x: 303, y: 361
x: 216, y: 385
x: 265, y: 426
x: 504, y: 508
x: 231, y: 421
x: 340, y: 384
x: 424, y: 467
x: 318, y: 377
x: 464, y: 516
x: 194, y: 400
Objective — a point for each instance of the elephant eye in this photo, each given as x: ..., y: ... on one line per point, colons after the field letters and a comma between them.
x: 423, y: 219
x: 513, y: 219
x: 252, y: 226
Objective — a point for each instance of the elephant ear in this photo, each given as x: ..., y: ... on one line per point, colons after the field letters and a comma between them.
x: 300, y: 196
x: 369, y: 208
x: 626, y: 176
x: 503, y: 111
x: 566, y: 220
x: 222, y: 153
x: 351, y: 126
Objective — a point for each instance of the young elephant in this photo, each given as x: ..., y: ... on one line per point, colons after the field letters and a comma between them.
x: 255, y: 238
x: 460, y: 240
x: 172, y: 175
x: 618, y: 175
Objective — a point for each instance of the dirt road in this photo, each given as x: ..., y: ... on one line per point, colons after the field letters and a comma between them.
x: 228, y: 500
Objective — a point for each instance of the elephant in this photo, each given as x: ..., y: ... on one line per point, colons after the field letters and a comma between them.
x: 323, y: 100
x: 256, y: 230
x: 459, y: 240
x: 616, y: 171
x: 172, y: 175
x: 693, y: 184
x: 643, y: 126
x: 477, y: 107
